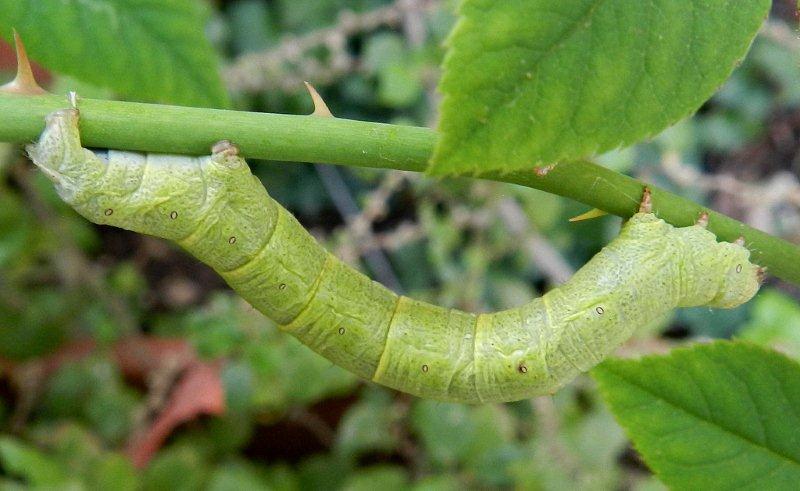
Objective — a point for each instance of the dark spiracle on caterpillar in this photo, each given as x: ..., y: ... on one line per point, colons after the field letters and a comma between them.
x: 219, y: 212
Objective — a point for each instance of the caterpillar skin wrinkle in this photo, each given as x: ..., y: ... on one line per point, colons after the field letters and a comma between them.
x: 219, y: 212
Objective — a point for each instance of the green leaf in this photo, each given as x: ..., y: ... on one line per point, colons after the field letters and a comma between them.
x: 398, y: 80
x: 716, y: 416
x: 367, y: 425
x: 144, y: 49
x: 176, y: 467
x: 384, y: 477
x: 26, y: 461
x: 456, y: 433
x: 440, y: 482
x: 532, y: 81
x: 271, y: 370
x: 237, y: 475
x: 114, y: 473
x: 323, y: 471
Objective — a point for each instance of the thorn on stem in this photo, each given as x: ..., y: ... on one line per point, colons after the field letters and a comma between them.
x: 702, y: 220
x: 589, y: 215
x: 320, y: 108
x: 72, y: 97
x: 646, y: 205
x: 24, y: 83
x: 739, y: 241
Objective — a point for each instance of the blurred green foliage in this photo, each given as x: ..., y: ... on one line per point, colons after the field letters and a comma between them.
x: 293, y: 420
x: 170, y: 62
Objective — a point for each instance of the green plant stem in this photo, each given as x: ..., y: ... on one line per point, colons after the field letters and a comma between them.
x: 186, y: 130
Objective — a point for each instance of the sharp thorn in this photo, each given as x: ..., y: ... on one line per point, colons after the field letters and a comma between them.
x: 589, y: 215
x: 72, y: 98
x: 739, y: 241
x: 24, y: 83
x: 702, y: 220
x: 320, y: 108
x: 646, y: 205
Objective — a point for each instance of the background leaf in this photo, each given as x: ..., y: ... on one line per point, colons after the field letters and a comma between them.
x: 530, y: 81
x: 25, y: 461
x: 775, y: 322
x: 144, y: 49
x: 713, y: 416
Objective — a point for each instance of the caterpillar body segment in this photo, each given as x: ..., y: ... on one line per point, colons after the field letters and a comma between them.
x: 220, y: 213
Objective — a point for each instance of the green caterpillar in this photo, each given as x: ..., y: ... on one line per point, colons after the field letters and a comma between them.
x: 219, y: 212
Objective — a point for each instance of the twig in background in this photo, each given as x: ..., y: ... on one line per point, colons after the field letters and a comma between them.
x: 286, y: 66
x: 782, y: 34
x: 407, y: 445
x: 759, y: 200
x: 347, y: 207
x: 413, y: 22
x: 543, y: 254
x: 403, y: 234
x: 159, y: 384
x: 324, y: 433
x: 28, y: 380
x: 638, y: 347
x: 375, y: 207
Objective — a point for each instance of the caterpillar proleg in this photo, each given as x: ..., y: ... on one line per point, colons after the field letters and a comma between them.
x: 219, y: 212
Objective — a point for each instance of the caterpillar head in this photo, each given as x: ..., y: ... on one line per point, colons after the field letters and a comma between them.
x: 741, y: 279
x: 58, y: 154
